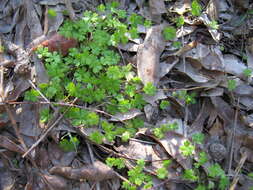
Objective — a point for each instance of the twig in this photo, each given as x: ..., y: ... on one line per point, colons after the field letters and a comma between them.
x: 237, y: 171
x: 185, y: 121
x: 92, y: 161
x: 120, y: 52
x: 42, y: 95
x: 233, y: 138
x: 46, y: 133
x: 46, y: 21
x: 64, y: 104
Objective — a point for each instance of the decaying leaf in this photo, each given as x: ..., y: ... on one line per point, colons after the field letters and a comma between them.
x: 57, y: 43
x: 93, y: 172
x: 191, y: 72
x: 171, y: 143
x: 234, y: 65
x: 55, y: 182
x: 126, y: 116
x: 210, y: 57
x: 157, y: 7
x: 148, y: 55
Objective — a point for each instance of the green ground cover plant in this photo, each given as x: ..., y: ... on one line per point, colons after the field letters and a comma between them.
x: 93, y: 73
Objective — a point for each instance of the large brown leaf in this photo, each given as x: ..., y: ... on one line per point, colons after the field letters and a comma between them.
x: 148, y: 55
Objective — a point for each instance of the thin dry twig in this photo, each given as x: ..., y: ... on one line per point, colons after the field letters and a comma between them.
x: 237, y: 171
x: 233, y: 138
x: 46, y: 133
x: 46, y: 21
x: 63, y: 104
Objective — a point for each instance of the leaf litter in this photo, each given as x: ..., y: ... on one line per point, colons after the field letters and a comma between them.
x: 204, y: 72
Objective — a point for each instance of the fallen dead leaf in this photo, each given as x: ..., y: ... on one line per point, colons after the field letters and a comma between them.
x: 93, y: 172
x: 148, y: 55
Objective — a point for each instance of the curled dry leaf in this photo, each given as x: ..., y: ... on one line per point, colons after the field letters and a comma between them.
x: 171, y: 143
x: 203, y: 114
x: 148, y: 55
x: 152, y: 99
x: 58, y: 43
x: 139, y: 150
x: 213, y: 92
x: 210, y: 57
x: 21, y: 56
x: 166, y: 66
x: 223, y: 108
x: 192, y: 72
x: 183, y: 31
x: 233, y: 65
x: 214, y: 32
x: 181, y: 6
x: 93, y: 172
x: 131, y: 47
x: 56, y: 182
x: 126, y: 116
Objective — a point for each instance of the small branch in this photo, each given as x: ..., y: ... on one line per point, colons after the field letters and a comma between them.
x: 233, y: 138
x: 46, y: 133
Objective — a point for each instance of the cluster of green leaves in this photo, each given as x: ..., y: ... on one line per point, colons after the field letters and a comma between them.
x: 162, y: 172
x: 196, y: 8
x: 92, y: 72
x: 137, y: 177
x: 198, y: 138
x: 51, y: 13
x: 169, y: 33
x: 164, y: 104
x: 215, y: 171
x: 187, y: 149
x: 69, y: 144
x: 231, y: 85
x: 188, y: 98
x: 149, y: 89
x: 1, y: 49
x: 115, y: 162
x: 214, y: 24
x: 247, y: 72
x: 159, y: 132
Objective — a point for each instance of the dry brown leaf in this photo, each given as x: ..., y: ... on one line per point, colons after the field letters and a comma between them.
x: 139, y: 150
x: 57, y: 43
x: 171, y: 143
x: 93, y: 172
x: 181, y: 6
x: 224, y: 109
x: 148, y: 55
x: 192, y: 72
x: 157, y: 7
x: 56, y: 182
x: 126, y: 116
